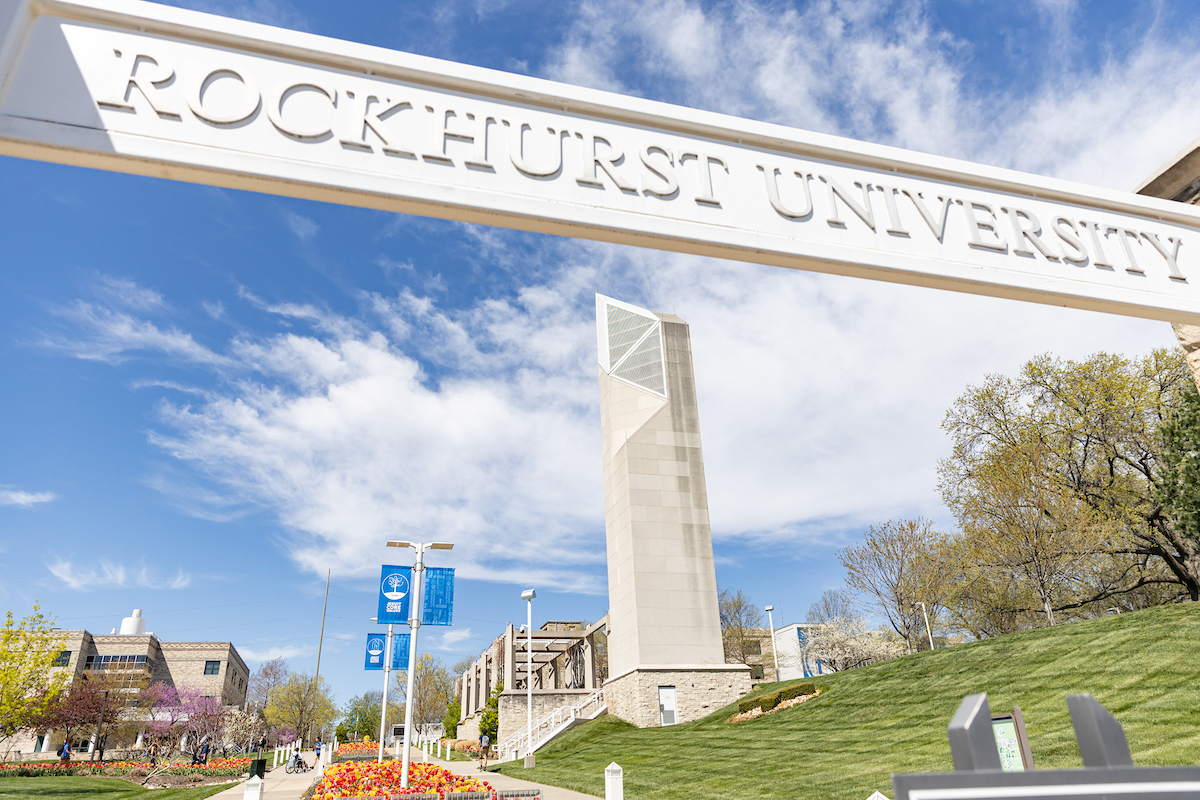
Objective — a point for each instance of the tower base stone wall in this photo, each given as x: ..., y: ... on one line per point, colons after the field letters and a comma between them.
x: 699, y: 691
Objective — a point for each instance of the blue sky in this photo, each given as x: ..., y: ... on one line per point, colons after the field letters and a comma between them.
x: 212, y: 397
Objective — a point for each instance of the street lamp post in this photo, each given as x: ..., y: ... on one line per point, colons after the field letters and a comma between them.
x: 414, y: 622
x: 774, y: 650
x: 387, y: 679
x: 928, y: 630
x: 530, y: 758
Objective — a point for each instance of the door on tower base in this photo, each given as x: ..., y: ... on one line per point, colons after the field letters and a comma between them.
x: 666, y: 705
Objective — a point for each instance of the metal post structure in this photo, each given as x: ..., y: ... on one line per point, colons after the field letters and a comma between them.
x: 528, y: 595
x: 321, y: 638
x: 414, y: 623
x: 928, y: 630
x: 387, y: 679
x: 774, y: 650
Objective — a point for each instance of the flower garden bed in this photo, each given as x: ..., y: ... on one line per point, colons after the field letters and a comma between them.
x: 358, y: 751
x: 215, y: 768
x: 757, y: 711
x: 368, y: 778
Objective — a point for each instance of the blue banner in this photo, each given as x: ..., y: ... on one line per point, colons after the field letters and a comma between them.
x: 437, y: 598
x: 400, y: 644
x: 376, y: 644
x: 395, y: 590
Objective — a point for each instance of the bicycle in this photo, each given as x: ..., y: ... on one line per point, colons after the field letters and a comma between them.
x: 296, y: 764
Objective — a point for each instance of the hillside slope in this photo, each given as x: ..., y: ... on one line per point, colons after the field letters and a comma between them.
x: 892, y: 717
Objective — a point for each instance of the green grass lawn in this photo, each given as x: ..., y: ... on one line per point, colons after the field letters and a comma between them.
x: 95, y: 789
x: 892, y: 717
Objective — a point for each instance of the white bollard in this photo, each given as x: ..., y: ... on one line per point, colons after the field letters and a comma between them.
x: 253, y: 790
x: 614, y: 782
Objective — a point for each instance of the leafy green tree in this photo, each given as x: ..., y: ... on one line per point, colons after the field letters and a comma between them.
x: 450, y: 721
x: 29, y: 684
x: 739, y: 616
x: 897, y: 565
x: 303, y: 705
x: 1178, y: 485
x: 433, y: 687
x: 489, y: 721
x: 360, y: 717
x: 1083, y: 438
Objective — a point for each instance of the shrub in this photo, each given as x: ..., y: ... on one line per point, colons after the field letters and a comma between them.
x: 195, y: 778
x: 138, y: 772
x: 768, y: 701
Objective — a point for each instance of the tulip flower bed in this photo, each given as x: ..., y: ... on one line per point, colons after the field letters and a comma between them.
x: 369, y: 778
x: 216, y: 767
x: 353, y: 750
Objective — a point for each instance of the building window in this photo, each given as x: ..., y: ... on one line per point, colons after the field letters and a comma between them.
x: 64, y: 658
x: 212, y: 667
x: 756, y: 672
x: 113, y: 662
x: 753, y: 647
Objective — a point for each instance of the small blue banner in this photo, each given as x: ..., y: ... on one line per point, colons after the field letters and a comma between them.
x: 400, y: 645
x: 395, y: 590
x: 376, y: 644
x: 437, y: 599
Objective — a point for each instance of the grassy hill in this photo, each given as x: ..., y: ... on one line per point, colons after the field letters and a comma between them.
x: 892, y: 717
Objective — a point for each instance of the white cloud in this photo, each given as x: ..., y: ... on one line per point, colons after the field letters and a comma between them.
x: 884, y: 72
x: 126, y: 292
x: 110, y: 575
x: 101, y: 333
x: 454, y: 636
x: 23, y: 499
x: 302, y: 226
x: 258, y: 654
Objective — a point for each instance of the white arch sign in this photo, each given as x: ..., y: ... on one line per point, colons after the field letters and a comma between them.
x: 154, y: 90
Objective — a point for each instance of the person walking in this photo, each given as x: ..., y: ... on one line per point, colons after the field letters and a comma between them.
x: 64, y: 753
x: 485, y: 742
x: 317, y: 747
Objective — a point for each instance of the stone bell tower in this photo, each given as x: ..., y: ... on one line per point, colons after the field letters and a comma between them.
x: 666, y: 661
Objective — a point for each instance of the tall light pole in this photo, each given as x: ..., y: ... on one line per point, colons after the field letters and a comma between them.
x: 774, y: 651
x: 527, y: 596
x: 387, y: 674
x: 928, y: 630
x: 414, y: 622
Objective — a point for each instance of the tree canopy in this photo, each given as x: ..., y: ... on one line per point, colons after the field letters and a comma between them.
x: 29, y: 683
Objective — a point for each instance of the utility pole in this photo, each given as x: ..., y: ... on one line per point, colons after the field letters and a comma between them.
x: 321, y: 641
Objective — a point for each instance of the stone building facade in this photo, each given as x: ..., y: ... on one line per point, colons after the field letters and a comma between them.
x: 133, y: 658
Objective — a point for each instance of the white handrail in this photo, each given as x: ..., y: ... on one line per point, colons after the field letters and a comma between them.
x: 552, y: 719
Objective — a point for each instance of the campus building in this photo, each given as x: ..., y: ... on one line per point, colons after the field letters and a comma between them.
x: 129, y: 658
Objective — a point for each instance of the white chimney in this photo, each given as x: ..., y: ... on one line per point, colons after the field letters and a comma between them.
x: 134, y: 625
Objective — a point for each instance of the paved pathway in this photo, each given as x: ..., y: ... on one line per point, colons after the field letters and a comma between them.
x: 277, y: 785
x: 499, y: 781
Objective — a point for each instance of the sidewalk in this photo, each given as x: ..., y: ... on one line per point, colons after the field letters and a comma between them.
x: 499, y: 781
x: 277, y: 784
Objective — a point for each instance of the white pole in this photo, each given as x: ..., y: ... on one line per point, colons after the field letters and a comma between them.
x: 529, y: 677
x: 774, y: 650
x: 414, y: 624
x: 387, y: 676
x: 928, y: 630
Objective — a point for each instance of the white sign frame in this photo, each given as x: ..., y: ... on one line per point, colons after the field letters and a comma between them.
x: 152, y: 90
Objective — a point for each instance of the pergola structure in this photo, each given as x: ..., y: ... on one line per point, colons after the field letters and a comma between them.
x: 564, y: 660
